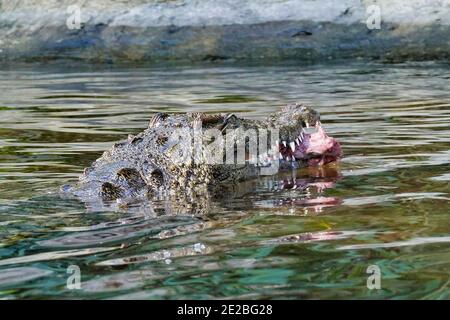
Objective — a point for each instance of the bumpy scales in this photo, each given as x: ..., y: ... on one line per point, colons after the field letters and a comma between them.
x: 154, y: 161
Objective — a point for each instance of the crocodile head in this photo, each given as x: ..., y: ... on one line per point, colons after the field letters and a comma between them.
x: 165, y: 156
x: 303, y: 138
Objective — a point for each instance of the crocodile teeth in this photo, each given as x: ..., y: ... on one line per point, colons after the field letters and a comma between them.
x: 307, y: 125
x: 288, y: 158
x: 292, y: 145
x: 284, y: 144
x: 281, y: 156
x: 297, y: 141
x: 301, y: 135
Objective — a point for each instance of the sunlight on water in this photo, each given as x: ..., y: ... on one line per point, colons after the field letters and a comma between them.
x: 311, y: 234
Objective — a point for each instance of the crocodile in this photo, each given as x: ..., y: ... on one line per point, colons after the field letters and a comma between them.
x: 165, y: 159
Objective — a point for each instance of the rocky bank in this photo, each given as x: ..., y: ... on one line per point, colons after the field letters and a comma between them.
x: 213, y: 30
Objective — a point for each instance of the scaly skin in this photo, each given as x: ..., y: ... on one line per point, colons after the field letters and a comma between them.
x: 148, y: 164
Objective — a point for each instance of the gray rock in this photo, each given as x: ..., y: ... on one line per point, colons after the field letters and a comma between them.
x: 214, y: 30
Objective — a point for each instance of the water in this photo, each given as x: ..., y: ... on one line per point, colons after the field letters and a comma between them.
x: 385, y: 204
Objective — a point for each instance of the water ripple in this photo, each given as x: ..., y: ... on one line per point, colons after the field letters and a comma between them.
x: 55, y: 255
x: 297, y: 235
x: 396, y: 244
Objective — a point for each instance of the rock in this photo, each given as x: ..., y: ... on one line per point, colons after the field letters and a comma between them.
x: 218, y: 30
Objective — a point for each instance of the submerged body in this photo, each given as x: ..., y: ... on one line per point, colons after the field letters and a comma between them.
x: 165, y: 157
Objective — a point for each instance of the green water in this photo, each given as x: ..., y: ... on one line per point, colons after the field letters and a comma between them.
x: 385, y: 204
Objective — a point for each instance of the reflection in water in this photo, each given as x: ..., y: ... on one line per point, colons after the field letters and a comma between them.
x: 310, y: 233
x: 302, y: 190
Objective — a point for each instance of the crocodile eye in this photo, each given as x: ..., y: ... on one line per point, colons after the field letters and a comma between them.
x: 161, y: 140
x: 136, y: 140
x: 157, y: 118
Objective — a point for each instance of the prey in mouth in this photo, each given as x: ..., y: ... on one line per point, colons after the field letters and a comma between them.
x: 303, y: 139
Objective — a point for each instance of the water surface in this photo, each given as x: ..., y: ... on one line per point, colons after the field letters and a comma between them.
x: 385, y: 204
